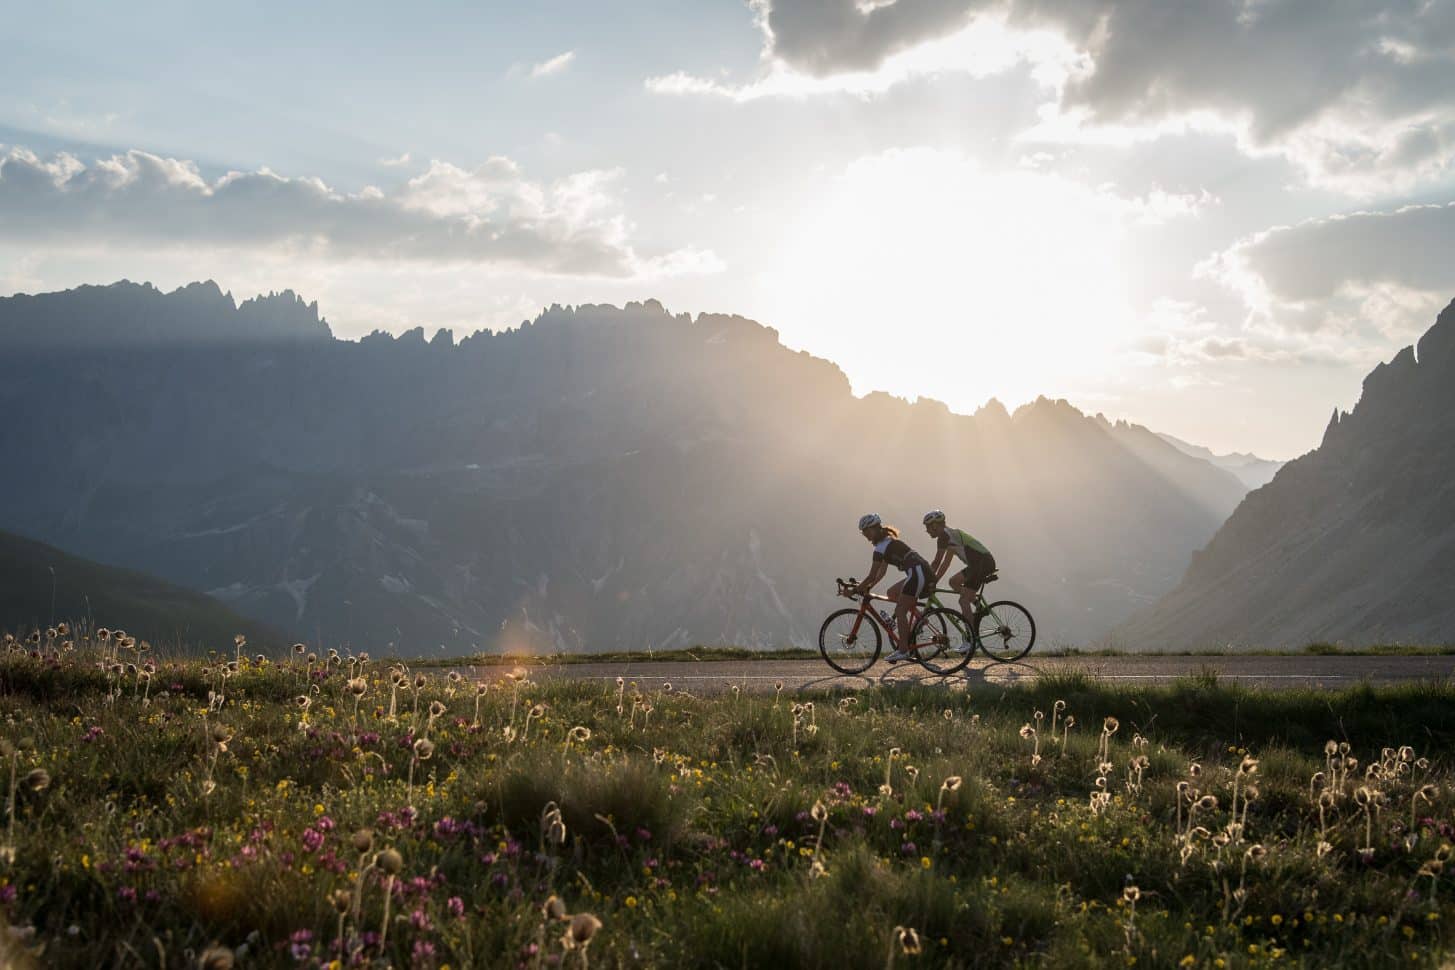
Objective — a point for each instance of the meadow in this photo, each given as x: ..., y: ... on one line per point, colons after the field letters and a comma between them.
x: 323, y: 810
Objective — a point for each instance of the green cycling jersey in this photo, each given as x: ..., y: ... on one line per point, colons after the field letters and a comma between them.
x: 961, y: 544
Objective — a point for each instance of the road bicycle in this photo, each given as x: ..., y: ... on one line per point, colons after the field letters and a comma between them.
x: 851, y: 639
x: 1004, y: 630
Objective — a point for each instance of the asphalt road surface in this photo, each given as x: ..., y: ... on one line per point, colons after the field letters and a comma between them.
x: 712, y: 677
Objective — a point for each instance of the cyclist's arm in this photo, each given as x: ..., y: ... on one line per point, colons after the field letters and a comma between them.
x: 875, y: 574
x: 941, y: 565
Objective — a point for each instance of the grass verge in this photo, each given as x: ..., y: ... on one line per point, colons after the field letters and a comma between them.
x: 337, y: 813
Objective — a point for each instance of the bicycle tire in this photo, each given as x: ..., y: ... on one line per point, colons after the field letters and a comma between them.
x: 833, y: 638
x: 934, y: 637
x: 1005, y: 630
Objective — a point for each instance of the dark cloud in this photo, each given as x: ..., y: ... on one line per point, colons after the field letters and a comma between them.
x: 1409, y: 247
x: 1349, y: 88
x: 488, y: 215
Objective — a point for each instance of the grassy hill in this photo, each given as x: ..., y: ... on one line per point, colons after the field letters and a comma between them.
x: 41, y: 585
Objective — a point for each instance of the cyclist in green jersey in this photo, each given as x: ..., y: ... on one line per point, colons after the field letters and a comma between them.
x: 951, y: 543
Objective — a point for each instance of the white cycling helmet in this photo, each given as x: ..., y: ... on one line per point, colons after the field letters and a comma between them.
x: 934, y: 515
x: 865, y: 521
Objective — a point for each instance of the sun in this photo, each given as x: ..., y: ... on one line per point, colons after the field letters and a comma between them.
x: 921, y: 274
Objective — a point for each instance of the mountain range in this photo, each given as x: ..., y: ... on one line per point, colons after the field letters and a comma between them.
x: 1353, y: 542
x: 598, y: 477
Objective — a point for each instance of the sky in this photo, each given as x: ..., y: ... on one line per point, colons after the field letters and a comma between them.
x: 1211, y: 217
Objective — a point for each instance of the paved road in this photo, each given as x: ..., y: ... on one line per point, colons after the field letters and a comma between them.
x: 707, y: 677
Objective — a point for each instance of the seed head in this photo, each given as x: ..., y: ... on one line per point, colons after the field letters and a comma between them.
x: 423, y: 749
x: 583, y: 927
x: 362, y: 840
x: 1248, y: 766
x: 579, y: 734
x: 554, y: 908
x: 1027, y: 731
x: 818, y: 812
x: 300, y: 649
x: 358, y: 686
x: 389, y: 861
x: 1255, y: 852
x: 1363, y: 796
x: 1131, y: 894
x: 436, y: 709
x: 1207, y: 802
x: 454, y: 677
x: 419, y: 681
x: 909, y: 943
x: 1331, y: 748
x: 302, y: 702
x: 951, y: 783
x: 216, y: 958
x: 38, y: 780
x: 341, y: 900
x: 1110, y: 725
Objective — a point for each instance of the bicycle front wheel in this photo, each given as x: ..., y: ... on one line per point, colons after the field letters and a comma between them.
x: 1005, y: 631
x: 850, y: 642
x: 942, y: 640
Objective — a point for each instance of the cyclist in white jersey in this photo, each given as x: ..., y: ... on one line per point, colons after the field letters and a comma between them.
x: 891, y: 550
x: 957, y: 543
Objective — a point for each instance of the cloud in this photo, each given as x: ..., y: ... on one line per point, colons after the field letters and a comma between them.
x: 492, y: 214
x: 399, y: 162
x: 1344, y: 289
x: 554, y: 65
x: 1355, y: 93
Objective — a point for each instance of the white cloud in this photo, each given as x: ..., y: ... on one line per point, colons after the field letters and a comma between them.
x: 554, y: 65
x: 491, y: 215
x: 398, y: 162
x: 1360, y: 96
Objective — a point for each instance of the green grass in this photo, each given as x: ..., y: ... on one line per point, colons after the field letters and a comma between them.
x: 729, y: 831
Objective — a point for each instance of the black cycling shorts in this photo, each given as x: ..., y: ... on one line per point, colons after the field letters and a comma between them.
x: 981, y: 565
x: 916, y: 582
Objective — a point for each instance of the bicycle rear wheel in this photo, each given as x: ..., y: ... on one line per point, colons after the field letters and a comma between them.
x: 937, y: 636
x: 1005, y: 631
x: 847, y: 649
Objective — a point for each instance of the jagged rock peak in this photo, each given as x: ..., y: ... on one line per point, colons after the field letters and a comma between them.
x: 1438, y: 344
x: 993, y: 410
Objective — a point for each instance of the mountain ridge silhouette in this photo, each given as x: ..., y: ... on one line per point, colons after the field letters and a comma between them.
x: 599, y: 477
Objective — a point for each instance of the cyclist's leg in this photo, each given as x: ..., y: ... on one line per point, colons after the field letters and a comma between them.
x: 915, y: 584
x: 960, y: 584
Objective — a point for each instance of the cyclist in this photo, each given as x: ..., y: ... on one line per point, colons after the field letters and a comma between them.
x: 891, y: 550
x: 979, y: 563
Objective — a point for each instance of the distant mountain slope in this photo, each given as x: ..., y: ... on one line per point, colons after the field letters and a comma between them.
x: 148, y: 608
x: 1354, y: 542
x: 597, y: 478
x: 1252, y: 471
